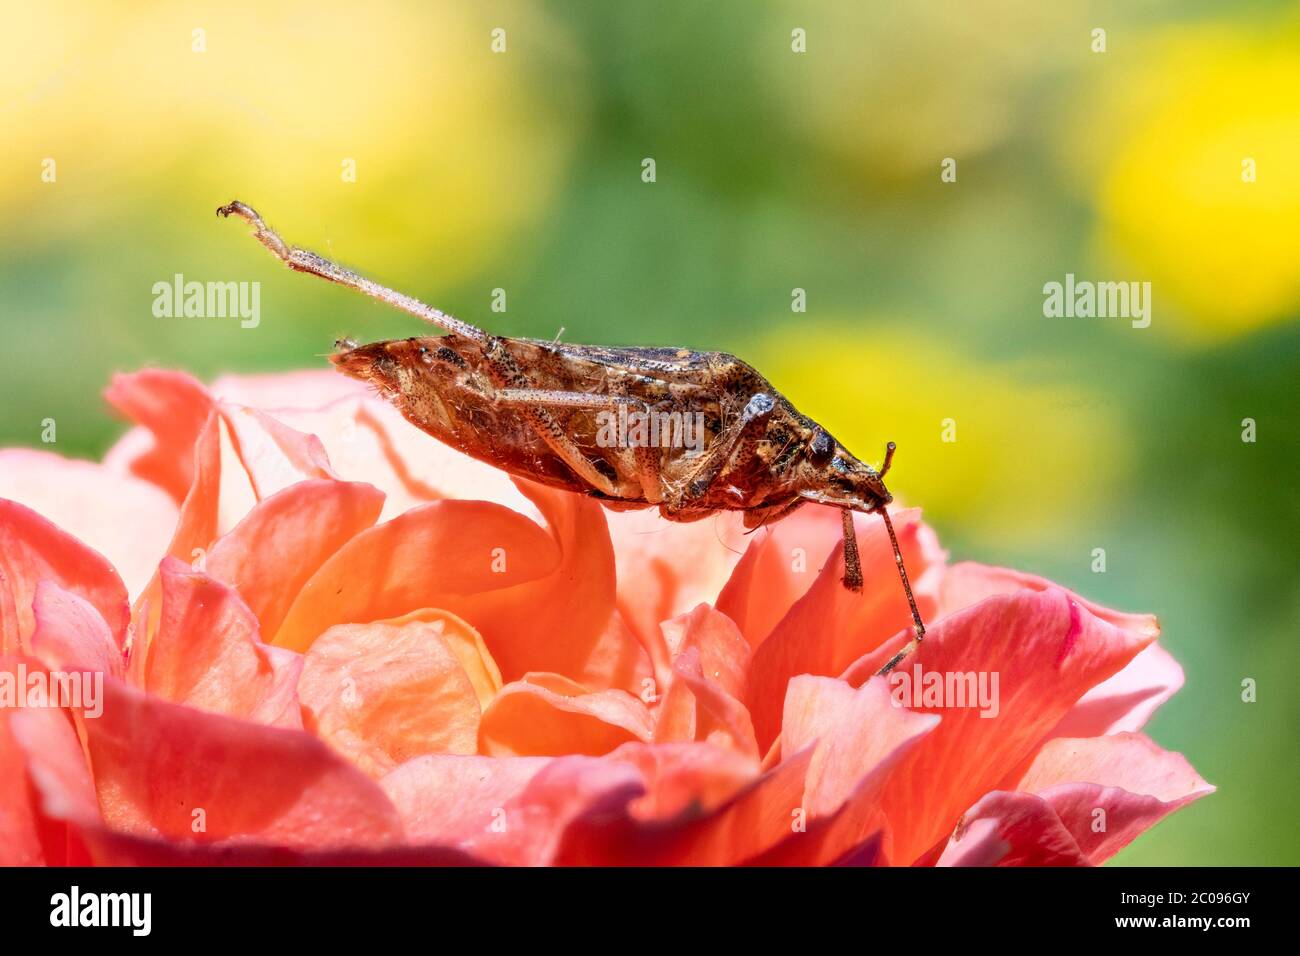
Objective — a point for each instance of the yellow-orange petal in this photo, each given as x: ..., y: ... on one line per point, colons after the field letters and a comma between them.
x: 436, y: 555
x: 560, y: 622
x: 549, y: 715
x: 468, y: 647
x: 384, y: 693
x: 284, y: 540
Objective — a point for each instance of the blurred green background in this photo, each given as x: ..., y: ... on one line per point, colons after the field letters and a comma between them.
x: 775, y: 170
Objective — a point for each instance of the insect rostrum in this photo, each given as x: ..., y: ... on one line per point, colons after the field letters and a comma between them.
x: 543, y: 411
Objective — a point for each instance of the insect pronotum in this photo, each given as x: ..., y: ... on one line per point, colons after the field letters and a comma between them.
x: 707, y: 433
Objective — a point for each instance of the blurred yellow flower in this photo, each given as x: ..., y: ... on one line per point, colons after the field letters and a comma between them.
x: 892, y: 89
x: 393, y: 128
x: 1195, y: 147
x: 1003, y: 451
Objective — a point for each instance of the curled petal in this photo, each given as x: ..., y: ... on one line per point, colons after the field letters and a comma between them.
x: 697, y: 707
x: 31, y: 550
x: 547, y: 714
x: 172, y: 408
x: 208, y: 653
x: 1127, y: 700
x: 561, y: 621
x: 722, y: 649
x: 285, y: 539
x: 1108, y: 790
x: 431, y: 556
x: 1044, y: 650
x: 71, y: 633
x: 1011, y: 829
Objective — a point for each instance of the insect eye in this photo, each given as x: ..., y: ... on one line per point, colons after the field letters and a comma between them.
x: 821, y: 448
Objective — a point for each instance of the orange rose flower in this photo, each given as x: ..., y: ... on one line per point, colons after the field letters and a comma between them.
x: 315, y: 635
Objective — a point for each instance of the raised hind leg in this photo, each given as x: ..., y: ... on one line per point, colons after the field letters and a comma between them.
x: 302, y: 260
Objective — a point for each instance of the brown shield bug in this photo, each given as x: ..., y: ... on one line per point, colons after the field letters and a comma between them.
x: 690, y: 433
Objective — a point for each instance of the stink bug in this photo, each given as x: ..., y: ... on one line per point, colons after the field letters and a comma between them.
x: 709, y: 433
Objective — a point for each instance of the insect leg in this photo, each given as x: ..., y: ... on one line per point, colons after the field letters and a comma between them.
x: 301, y: 260
x: 754, y: 417
x: 852, y: 563
x: 756, y: 518
x: 646, y: 458
x: 557, y: 398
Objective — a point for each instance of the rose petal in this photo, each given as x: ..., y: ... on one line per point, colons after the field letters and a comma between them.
x: 307, y: 388
x: 198, y: 523
x: 94, y: 503
x: 70, y: 633
x: 31, y: 550
x: 779, y: 566
x: 1128, y: 778
x: 532, y: 827
x: 385, y: 693
x: 830, y: 626
x: 1011, y: 829
x: 665, y: 568
x: 273, y: 454
x: 33, y: 827
x: 188, y: 775
x: 698, y: 708
x: 285, y: 539
x: 751, y: 822
x: 812, y: 705
x: 859, y: 744
x: 968, y: 582
x: 560, y: 622
x: 723, y: 650
x: 467, y: 646
x: 685, y: 779
x: 173, y: 408
x: 431, y: 556
x: 368, y: 440
x: 1126, y: 701
x: 547, y: 714
x: 207, y: 653
x: 452, y: 799
x: 1046, y: 650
